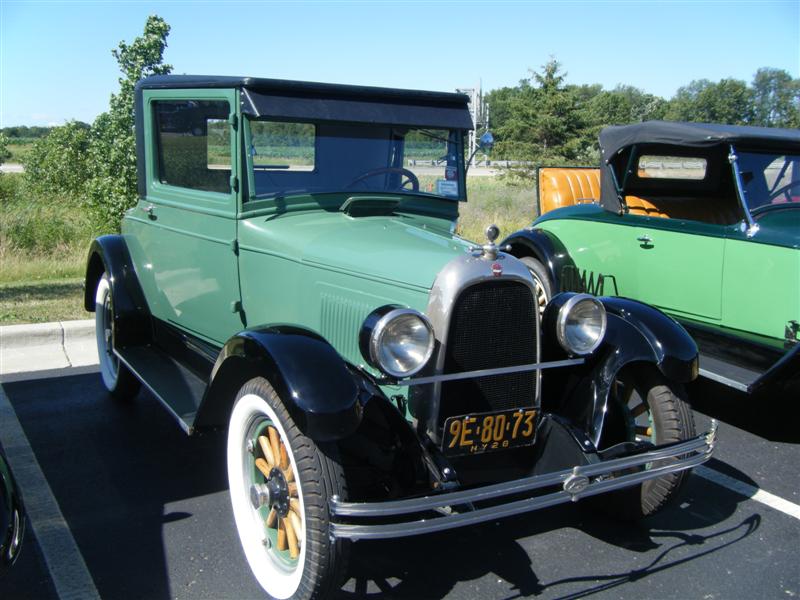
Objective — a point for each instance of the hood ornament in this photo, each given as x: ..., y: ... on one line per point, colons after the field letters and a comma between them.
x: 489, y: 251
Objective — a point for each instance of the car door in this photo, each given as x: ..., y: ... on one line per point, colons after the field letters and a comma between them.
x: 182, y: 235
x: 679, y: 264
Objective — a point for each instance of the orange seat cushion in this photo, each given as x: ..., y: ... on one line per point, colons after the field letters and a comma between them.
x: 565, y: 186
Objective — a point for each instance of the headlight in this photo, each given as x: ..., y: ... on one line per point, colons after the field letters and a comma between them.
x: 581, y: 324
x: 398, y: 341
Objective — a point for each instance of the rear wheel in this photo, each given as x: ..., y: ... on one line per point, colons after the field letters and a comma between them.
x: 544, y: 290
x: 118, y: 380
x: 280, y: 484
x: 648, y: 408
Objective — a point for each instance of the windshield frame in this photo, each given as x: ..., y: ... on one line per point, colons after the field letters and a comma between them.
x: 251, y: 196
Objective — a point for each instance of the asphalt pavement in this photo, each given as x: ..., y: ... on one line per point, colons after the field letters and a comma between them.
x: 147, y: 508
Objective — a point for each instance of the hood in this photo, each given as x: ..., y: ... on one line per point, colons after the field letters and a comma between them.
x: 399, y: 249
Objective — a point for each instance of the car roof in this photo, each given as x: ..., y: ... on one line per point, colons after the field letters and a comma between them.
x: 303, y: 88
x: 697, y: 135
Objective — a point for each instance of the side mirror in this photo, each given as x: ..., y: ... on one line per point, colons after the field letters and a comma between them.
x: 486, y: 142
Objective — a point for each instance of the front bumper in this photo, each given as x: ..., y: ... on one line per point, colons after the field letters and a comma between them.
x: 451, y: 509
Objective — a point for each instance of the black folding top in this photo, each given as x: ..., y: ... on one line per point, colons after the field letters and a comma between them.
x: 285, y: 99
x: 615, y: 138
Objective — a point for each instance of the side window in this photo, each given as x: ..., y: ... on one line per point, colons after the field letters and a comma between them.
x: 277, y: 146
x: 194, y: 144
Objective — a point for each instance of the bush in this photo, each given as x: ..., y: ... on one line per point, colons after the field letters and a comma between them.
x: 57, y: 164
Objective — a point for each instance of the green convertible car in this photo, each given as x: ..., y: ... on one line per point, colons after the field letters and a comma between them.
x: 699, y: 220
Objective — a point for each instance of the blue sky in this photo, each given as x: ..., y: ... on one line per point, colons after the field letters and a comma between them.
x: 56, y: 63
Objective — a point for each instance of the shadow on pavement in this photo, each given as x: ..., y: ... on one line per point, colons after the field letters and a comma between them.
x: 432, y: 566
x: 113, y: 467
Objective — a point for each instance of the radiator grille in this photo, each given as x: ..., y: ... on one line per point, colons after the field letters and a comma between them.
x: 493, y: 325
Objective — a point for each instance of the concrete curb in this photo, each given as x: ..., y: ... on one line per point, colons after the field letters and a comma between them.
x: 43, y: 346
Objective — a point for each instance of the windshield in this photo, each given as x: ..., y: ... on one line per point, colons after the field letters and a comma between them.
x: 290, y: 158
x: 770, y: 179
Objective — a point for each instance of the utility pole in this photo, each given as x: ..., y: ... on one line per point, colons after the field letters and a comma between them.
x: 479, y: 111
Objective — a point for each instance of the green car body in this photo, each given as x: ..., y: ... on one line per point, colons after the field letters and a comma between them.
x: 704, y: 244
x: 288, y: 275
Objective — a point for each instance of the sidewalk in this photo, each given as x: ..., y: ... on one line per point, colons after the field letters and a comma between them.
x: 47, y: 346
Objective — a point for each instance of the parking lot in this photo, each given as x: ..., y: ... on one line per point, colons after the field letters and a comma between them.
x: 148, y: 510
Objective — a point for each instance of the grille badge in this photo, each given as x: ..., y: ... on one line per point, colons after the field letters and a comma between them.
x: 497, y: 269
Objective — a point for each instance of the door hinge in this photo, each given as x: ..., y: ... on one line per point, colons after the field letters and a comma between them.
x: 235, y: 247
x: 234, y: 122
x: 234, y: 183
x: 236, y: 306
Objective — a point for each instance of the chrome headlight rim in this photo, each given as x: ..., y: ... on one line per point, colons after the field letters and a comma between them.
x: 376, y: 339
x: 564, y: 314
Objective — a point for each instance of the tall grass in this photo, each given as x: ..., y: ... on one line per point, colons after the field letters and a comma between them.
x: 40, y: 238
x: 508, y: 203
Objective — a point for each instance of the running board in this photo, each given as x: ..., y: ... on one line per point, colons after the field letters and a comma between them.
x: 175, y: 386
x: 726, y: 373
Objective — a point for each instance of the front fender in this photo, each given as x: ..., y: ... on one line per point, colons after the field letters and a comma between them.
x: 544, y: 247
x: 109, y: 254
x: 636, y: 333
x: 324, y: 397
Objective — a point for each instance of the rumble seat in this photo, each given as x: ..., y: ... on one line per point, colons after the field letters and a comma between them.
x: 565, y: 186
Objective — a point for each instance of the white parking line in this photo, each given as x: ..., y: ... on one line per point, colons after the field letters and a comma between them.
x: 752, y: 492
x: 68, y: 572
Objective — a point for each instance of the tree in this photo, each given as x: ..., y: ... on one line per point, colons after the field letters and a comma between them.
x: 112, y: 189
x: 58, y: 163
x: 728, y: 101
x: 540, y: 118
x: 5, y: 153
x: 776, y: 98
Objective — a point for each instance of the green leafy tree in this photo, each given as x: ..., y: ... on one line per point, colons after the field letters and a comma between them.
x: 111, y: 188
x: 58, y: 163
x: 776, y: 98
x: 727, y: 101
x: 5, y: 153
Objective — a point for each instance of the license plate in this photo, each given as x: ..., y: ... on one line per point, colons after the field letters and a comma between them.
x: 486, y: 432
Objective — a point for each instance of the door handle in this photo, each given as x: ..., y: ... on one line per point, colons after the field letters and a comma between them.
x: 149, y: 210
x: 645, y: 239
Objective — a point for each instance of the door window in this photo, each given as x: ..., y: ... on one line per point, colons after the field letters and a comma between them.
x: 194, y: 144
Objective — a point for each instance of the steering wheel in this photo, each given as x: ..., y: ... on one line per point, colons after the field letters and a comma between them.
x: 785, y: 189
x: 765, y: 208
x: 410, y: 177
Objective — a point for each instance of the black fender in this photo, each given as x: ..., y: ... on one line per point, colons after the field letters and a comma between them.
x: 322, y: 394
x: 636, y: 333
x: 544, y: 247
x: 132, y: 325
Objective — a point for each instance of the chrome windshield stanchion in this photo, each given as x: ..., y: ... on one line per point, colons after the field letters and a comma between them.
x: 752, y: 226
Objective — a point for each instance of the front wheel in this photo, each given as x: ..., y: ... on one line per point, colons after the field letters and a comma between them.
x: 646, y: 407
x: 117, y: 379
x: 280, y: 484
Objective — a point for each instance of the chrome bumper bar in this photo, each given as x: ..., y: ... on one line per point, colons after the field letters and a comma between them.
x: 576, y: 483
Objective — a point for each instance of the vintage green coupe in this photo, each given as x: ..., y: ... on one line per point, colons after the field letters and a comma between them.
x: 700, y: 220
x: 290, y: 274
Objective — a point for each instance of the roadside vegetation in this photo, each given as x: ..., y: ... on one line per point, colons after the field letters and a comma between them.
x: 79, y: 178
